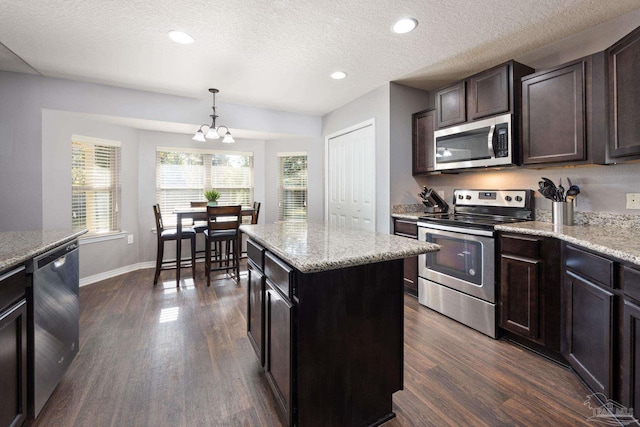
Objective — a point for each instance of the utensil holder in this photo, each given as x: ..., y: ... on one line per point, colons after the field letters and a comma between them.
x: 562, y: 213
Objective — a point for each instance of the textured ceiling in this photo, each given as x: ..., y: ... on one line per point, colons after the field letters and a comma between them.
x: 279, y: 54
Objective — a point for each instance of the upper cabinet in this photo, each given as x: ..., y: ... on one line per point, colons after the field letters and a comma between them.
x: 624, y: 97
x: 450, y: 105
x: 423, y: 127
x: 489, y: 93
x: 564, y: 114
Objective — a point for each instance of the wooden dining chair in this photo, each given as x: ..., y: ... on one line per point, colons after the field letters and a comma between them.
x: 223, y: 226
x: 171, y: 234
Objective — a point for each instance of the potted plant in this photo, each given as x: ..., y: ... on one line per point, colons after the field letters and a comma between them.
x: 212, y: 196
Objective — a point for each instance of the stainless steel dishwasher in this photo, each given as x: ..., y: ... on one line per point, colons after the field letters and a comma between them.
x: 53, y: 321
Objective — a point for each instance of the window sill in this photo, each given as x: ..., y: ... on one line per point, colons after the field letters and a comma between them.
x: 96, y: 238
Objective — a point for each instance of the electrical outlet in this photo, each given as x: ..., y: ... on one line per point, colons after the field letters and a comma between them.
x: 130, y: 239
x: 633, y: 200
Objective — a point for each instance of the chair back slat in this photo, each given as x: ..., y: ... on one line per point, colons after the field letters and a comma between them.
x: 158, y: 216
x: 224, y: 217
x: 198, y: 204
x: 256, y: 212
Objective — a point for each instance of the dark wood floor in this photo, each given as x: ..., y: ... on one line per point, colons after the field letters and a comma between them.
x: 166, y: 357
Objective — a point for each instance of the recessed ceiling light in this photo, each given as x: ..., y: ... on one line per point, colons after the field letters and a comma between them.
x: 181, y: 37
x: 338, y: 75
x: 404, y: 25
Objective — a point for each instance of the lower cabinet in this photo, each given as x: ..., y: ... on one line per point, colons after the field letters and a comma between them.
x: 630, y: 393
x: 529, y: 299
x: 278, y: 322
x: 589, y: 340
x: 255, y: 309
x: 13, y: 348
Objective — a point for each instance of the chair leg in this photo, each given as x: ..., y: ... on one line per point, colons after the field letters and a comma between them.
x: 207, y: 260
x: 237, y: 246
x: 193, y: 257
x: 159, y: 255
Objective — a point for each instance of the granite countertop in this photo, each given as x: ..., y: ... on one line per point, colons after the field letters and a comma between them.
x: 17, y: 247
x: 312, y: 247
x: 617, y: 242
x: 409, y: 215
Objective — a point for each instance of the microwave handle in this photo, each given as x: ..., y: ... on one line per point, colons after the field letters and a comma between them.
x: 492, y: 150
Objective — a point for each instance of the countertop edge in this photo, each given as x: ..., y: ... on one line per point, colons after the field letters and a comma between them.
x: 315, y: 267
x: 24, y: 257
x: 559, y: 233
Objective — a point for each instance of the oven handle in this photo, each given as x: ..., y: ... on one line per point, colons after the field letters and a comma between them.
x: 460, y: 230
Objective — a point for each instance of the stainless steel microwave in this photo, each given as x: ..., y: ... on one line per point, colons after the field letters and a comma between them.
x: 482, y: 143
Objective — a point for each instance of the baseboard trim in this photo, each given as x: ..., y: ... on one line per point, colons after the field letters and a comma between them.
x: 118, y: 271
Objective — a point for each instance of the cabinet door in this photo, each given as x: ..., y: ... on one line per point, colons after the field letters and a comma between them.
x: 423, y: 148
x: 13, y: 365
x: 587, y: 340
x: 520, y: 296
x: 255, y: 310
x: 553, y: 116
x: 624, y: 99
x: 450, y: 105
x: 278, y: 367
x: 488, y: 93
x: 630, y: 396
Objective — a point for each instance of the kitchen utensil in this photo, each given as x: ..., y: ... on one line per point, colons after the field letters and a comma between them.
x: 560, y: 192
x: 572, y: 193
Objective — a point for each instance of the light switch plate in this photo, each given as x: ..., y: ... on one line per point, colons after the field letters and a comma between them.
x: 633, y: 200
x: 130, y: 239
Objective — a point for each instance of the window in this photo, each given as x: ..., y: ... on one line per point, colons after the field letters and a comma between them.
x: 95, y: 184
x: 292, y: 187
x: 183, y: 175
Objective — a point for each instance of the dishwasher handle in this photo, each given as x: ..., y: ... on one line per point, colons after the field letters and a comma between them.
x: 57, y: 254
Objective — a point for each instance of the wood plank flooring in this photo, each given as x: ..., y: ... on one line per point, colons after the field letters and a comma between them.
x: 165, y: 357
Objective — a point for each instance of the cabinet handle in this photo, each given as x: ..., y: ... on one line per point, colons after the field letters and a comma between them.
x: 12, y: 272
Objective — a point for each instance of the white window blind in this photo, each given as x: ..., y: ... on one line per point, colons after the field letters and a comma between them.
x: 183, y: 175
x: 95, y: 184
x: 292, y: 187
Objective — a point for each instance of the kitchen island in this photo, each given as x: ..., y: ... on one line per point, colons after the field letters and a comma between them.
x: 325, y: 317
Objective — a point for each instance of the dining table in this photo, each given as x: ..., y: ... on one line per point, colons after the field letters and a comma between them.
x: 195, y: 214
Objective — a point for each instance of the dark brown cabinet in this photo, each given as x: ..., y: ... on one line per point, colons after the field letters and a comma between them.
x: 530, y: 289
x: 13, y: 345
x: 624, y: 97
x: 564, y: 113
x: 322, y: 327
x: 488, y: 93
x: 630, y: 384
x: 450, y: 105
x: 278, y: 327
x: 408, y: 228
x: 422, y: 143
x: 255, y: 309
x: 588, y: 339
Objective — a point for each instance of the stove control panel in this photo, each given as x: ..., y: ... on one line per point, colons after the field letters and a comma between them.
x: 507, y: 198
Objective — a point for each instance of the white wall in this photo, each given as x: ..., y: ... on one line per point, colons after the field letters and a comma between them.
x: 373, y: 105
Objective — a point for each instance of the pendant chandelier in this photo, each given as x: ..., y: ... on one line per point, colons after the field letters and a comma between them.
x: 211, y: 131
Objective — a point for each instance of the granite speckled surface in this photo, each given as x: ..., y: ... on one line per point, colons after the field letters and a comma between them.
x: 17, y: 247
x: 312, y: 247
x: 614, y: 241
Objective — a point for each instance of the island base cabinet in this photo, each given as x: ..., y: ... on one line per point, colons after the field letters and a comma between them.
x: 631, y: 356
x: 255, y: 310
x: 278, y: 364
x: 587, y: 340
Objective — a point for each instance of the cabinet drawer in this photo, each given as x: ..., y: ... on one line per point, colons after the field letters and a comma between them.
x: 631, y: 282
x: 255, y: 253
x: 527, y: 247
x: 12, y: 286
x: 405, y: 227
x: 279, y: 274
x: 590, y: 266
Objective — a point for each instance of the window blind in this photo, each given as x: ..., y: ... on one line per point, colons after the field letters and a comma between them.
x: 95, y: 184
x: 183, y: 175
x: 292, y: 187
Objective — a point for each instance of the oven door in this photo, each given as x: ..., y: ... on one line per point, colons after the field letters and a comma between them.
x: 465, y: 261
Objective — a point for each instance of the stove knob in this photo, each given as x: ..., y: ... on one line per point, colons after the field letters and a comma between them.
x: 518, y: 199
x: 468, y: 197
x: 508, y: 198
x: 460, y: 196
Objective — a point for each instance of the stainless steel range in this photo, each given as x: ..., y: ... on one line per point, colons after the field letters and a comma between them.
x: 459, y: 281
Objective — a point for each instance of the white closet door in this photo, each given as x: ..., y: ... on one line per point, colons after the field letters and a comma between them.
x: 351, y: 178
